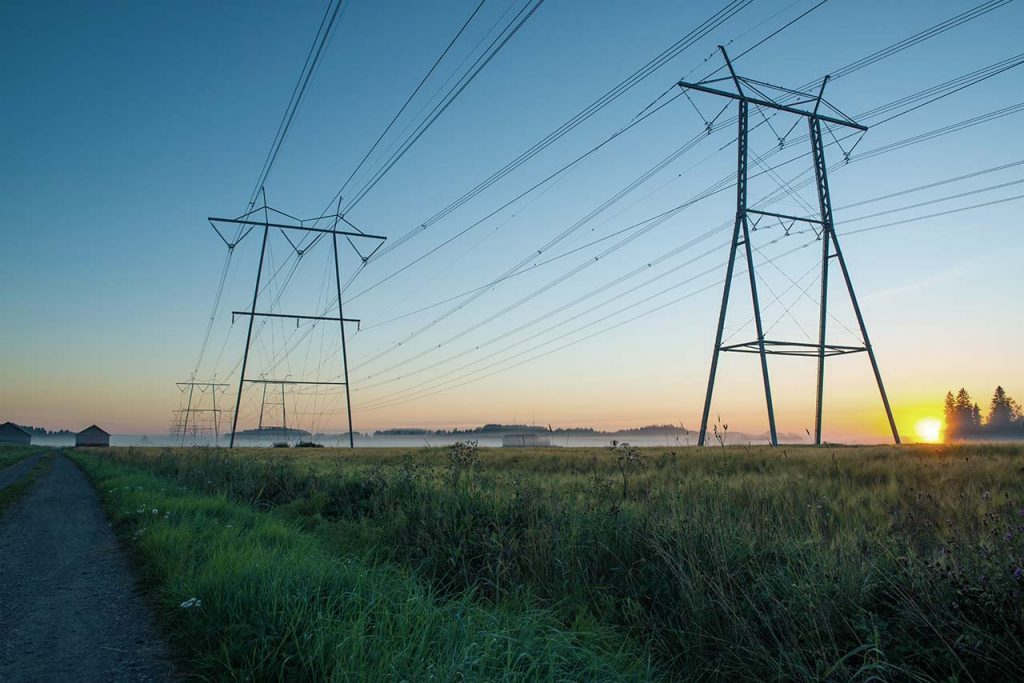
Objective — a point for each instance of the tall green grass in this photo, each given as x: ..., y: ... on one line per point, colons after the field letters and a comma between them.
x: 11, y: 454
x: 15, y: 491
x: 728, y: 563
x: 273, y: 603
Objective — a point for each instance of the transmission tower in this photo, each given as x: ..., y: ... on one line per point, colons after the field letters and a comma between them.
x: 245, y: 225
x: 273, y: 403
x: 195, y: 418
x: 826, y: 232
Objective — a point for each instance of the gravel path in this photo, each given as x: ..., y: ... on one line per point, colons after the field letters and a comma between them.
x: 12, y: 474
x: 69, y: 610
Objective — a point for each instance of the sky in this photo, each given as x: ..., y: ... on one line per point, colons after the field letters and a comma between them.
x: 125, y: 125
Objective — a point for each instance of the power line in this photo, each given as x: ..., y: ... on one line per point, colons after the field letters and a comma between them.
x: 948, y: 212
x: 648, y: 225
x: 850, y: 68
x: 409, y: 99
x: 907, y: 44
x: 710, y: 232
x: 298, y: 92
x: 513, y: 27
x: 670, y: 53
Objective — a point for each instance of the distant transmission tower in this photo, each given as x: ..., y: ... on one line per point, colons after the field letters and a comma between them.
x: 245, y: 222
x: 741, y: 236
x: 196, y: 418
x: 273, y: 403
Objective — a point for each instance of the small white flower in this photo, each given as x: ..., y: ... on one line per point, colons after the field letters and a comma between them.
x: 192, y: 602
x: 155, y: 511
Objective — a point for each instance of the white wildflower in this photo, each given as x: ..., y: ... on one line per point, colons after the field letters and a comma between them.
x: 192, y: 602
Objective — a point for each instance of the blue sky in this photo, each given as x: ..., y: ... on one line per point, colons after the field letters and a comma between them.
x: 126, y: 124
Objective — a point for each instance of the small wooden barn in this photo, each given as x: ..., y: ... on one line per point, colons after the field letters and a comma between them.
x: 92, y: 436
x: 12, y: 433
x: 525, y: 440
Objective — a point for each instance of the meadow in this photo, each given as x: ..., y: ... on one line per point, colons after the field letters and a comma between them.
x: 11, y: 454
x: 13, y: 490
x: 454, y: 563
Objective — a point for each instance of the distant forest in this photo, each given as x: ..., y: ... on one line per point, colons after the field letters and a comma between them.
x: 964, y: 420
x: 504, y: 429
x: 40, y: 431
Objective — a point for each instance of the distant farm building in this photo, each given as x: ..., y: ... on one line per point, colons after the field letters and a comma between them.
x: 92, y: 436
x: 525, y: 440
x: 12, y: 433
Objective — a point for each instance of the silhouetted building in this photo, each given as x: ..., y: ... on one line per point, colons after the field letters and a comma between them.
x: 12, y: 433
x: 92, y: 436
x: 525, y: 440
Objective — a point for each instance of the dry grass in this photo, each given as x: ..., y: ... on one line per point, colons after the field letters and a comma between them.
x: 721, y: 563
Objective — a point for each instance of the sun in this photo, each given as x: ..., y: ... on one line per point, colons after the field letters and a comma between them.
x: 929, y: 429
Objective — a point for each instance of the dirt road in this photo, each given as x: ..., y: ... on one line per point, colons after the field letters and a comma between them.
x: 69, y: 610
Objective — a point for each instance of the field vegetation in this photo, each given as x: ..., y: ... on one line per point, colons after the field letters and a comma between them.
x: 10, y: 453
x: 15, y: 490
x: 716, y: 563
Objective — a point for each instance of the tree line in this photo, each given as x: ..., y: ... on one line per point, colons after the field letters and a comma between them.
x: 1004, y: 420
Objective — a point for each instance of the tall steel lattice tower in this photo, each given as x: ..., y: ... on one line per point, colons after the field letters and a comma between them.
x: 246, y: 223
x: 825, y: 229
x: 198, y: 419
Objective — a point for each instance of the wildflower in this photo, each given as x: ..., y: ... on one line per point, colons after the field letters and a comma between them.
x: 192, y: 602
x: 155, y: 511
x: 1018, y: 572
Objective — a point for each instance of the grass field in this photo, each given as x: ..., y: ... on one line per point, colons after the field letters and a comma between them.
x: 10, y: 454
x: 792, y: 563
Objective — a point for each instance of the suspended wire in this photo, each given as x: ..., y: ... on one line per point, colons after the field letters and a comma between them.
x: 588, y: 295
x: 665, y: 56
x: 948, y: 212
x: 309, y: 66
x: 447, y: 100
x: 874, y: 57
x: 624, y: 86
x: 846, y: 232
x: 519, y: 20
x: 951, y: 197
x: 843, y: 71
x: 953, y: 127
x: 723, y: 184
x: 312, y: 59
x: 559, y: 172
x: 443, y: 90
x: 469, y: 378
x: 409, y: 99
x: 602, y: 331
x: 951, y: 23
x: 937, y: 183
x: 645, y: 113
x: 906, y: 44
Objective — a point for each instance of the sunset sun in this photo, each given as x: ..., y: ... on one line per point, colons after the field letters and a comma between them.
x: 929, y: 429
